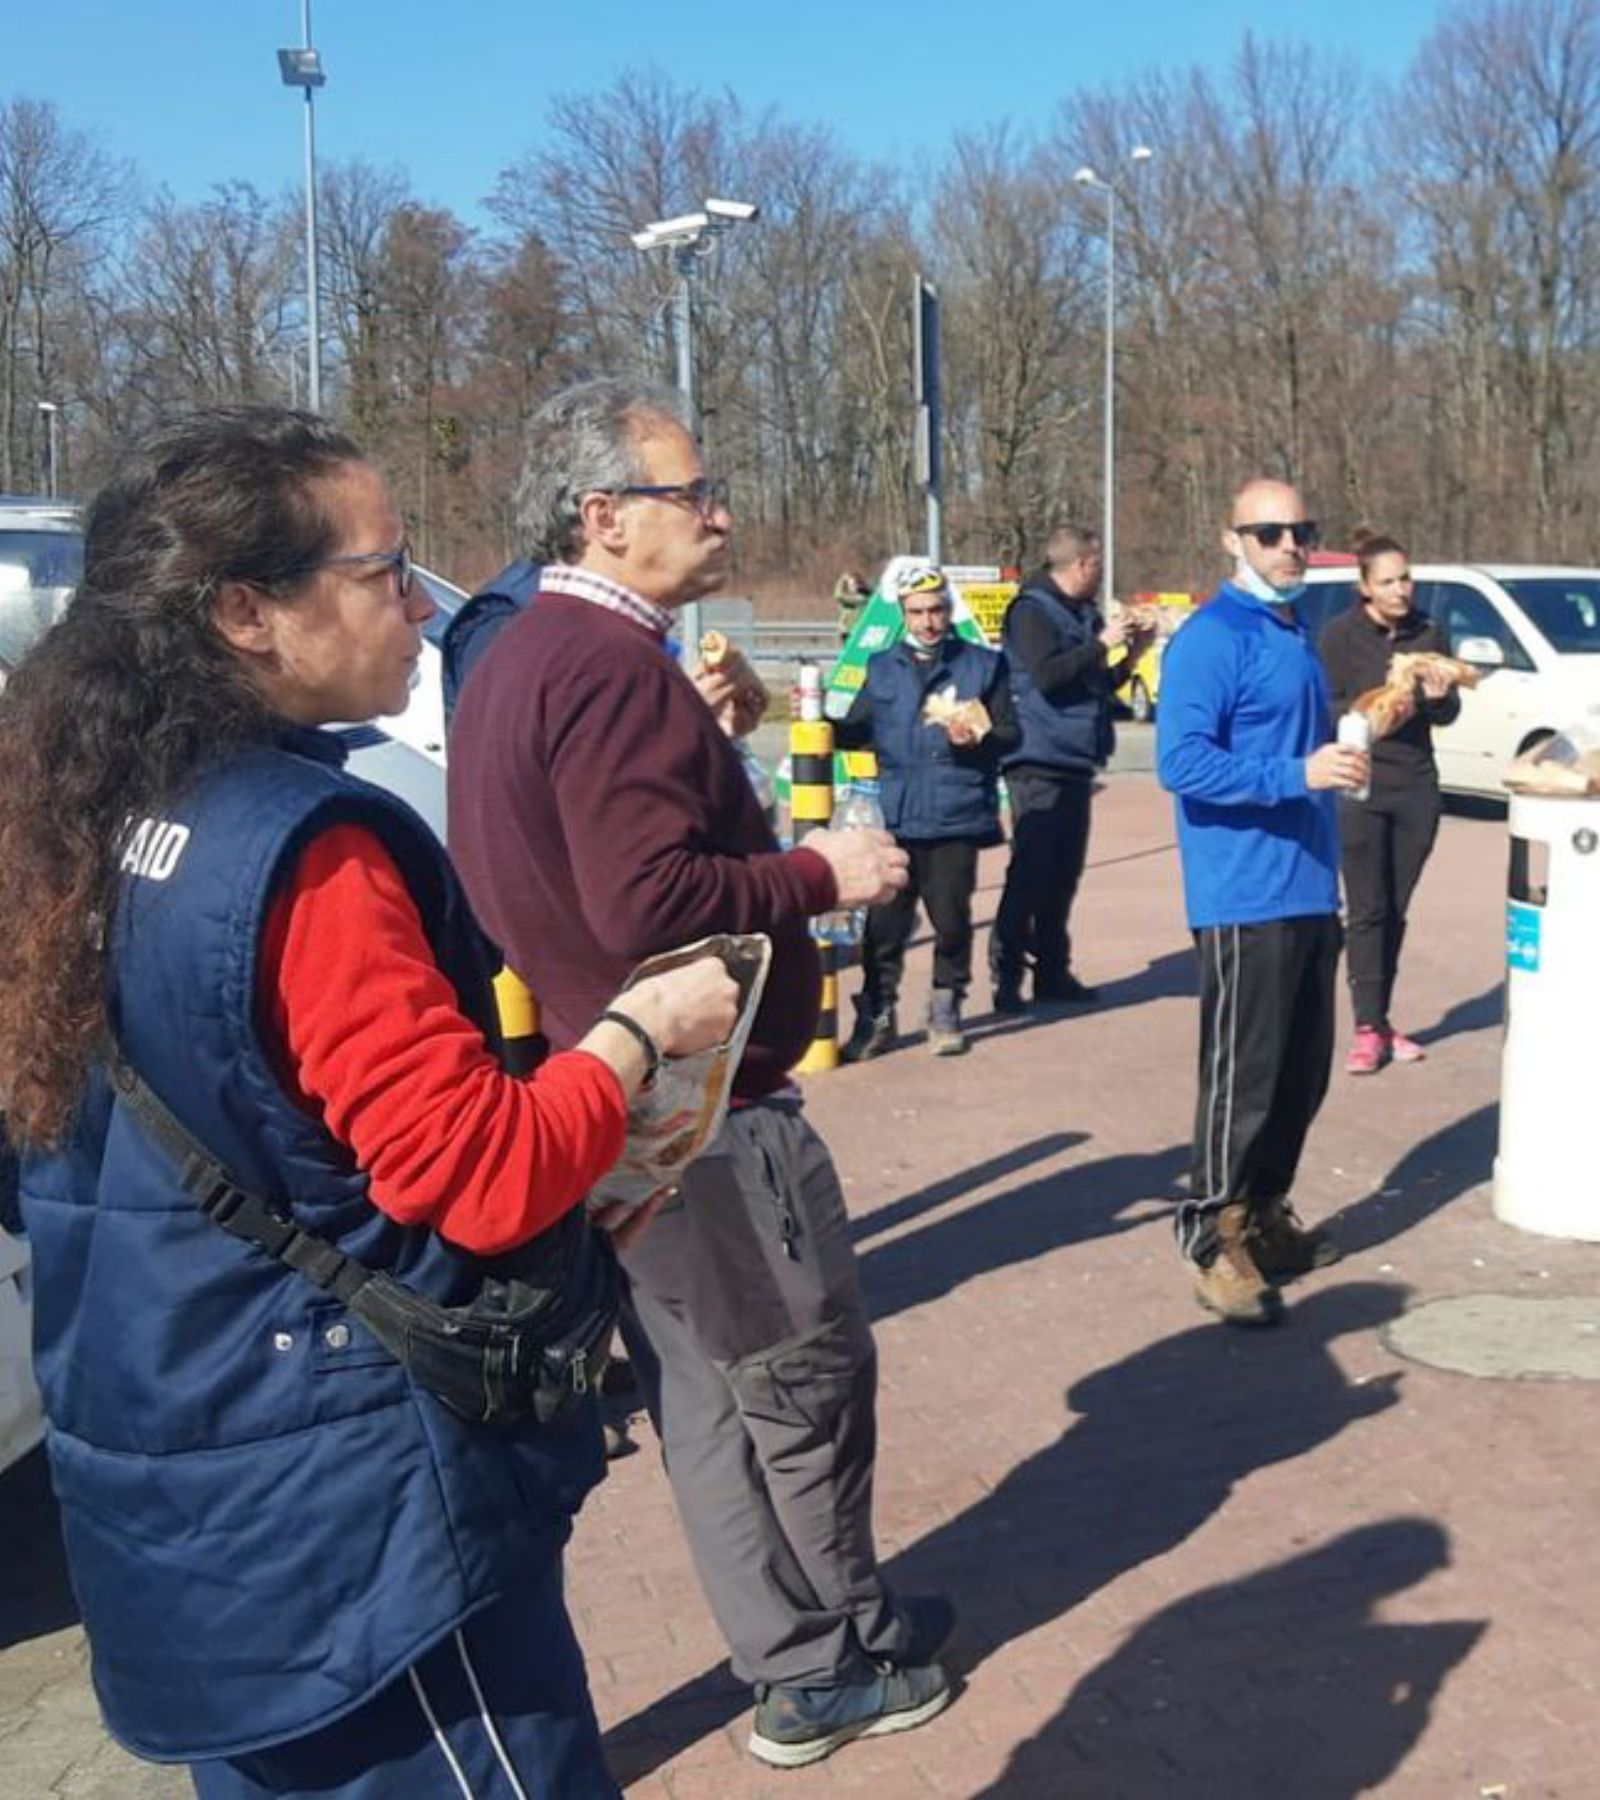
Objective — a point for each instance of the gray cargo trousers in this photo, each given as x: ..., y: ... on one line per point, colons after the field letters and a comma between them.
x: 763, y: 1389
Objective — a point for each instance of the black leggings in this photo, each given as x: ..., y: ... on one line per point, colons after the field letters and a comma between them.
x: 1386, y: 840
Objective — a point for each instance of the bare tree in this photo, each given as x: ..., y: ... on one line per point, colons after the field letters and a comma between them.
x: 357, y: 203
x: 207, y: 290
x: 1501, y: 168
x: 59, y: 196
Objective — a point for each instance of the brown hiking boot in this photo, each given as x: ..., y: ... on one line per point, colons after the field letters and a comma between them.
x: 1283, y: 1248
x: 1231, y: 1285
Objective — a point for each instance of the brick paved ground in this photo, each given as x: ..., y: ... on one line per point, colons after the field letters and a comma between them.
x: 1189, y: 1561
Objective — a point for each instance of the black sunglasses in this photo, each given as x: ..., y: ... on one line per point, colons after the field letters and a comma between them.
x: 1307, y: 534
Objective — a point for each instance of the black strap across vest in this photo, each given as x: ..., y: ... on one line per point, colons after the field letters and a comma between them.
x: 239, y: 1212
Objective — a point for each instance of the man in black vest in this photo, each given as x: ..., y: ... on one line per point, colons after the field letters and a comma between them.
x: 1062, y: 677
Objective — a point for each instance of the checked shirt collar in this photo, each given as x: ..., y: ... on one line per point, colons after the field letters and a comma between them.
x: 598, y: 590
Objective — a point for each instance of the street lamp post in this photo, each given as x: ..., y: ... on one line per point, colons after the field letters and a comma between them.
x: 688, y: 239
x: 1087, y: 178
x: 50, y: 410
x: 302, y: 68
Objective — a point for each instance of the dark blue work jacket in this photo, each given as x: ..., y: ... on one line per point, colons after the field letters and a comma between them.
x: 1073, y: 732
x: 266, y: 1520
x: 930, y: 788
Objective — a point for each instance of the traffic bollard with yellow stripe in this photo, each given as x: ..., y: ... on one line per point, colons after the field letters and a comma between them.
x: 810, y: 809
x: 521, y: 1046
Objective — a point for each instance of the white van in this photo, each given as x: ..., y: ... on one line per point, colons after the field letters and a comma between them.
x: 1533, y: 631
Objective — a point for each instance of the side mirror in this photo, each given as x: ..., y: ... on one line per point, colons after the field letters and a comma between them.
x: 1483, y: 652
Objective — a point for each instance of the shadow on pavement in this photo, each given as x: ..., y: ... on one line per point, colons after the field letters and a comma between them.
x: 1428, y: 1176
x: 35, y: 1594
x: 1182, y: 1708
x: 1168, y: 977
x: 1159, y: 1442
x: 952, y: 1187
x: 1481, y: 1013
x: 1072, y: 1206
x: 1173, y: 976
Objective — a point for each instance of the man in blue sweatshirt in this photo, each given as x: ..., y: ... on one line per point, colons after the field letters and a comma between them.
x: 1243, y: 744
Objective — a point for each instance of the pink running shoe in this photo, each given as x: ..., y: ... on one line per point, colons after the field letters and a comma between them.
x: 1367, y: 1052
x: 1402, y: 1048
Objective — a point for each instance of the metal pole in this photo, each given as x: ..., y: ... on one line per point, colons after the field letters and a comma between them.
x: 49, y: 410
x: 1108, y: 533
x: 927, y: 391
x: 684, y: 333
x: 313, y: 317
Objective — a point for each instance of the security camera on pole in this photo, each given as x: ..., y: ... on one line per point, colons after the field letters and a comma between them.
x: 689, y: 238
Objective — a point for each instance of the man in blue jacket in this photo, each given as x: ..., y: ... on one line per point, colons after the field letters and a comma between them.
x: 937, y: 767
x: 1065, y: 663
x: 1242, y: 743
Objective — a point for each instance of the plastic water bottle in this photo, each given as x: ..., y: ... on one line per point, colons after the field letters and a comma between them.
x: 1355, y: 733
x: 858, y: 808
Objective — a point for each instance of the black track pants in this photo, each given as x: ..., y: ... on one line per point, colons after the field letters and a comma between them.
x: 1266, y: 1047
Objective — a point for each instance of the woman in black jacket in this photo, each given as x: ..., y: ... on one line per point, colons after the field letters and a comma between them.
x: 1388, y: 837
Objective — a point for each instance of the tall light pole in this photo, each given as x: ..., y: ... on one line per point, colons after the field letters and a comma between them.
x: 689, y: 239
x: 50, y: 410
x: 929, y: 416
x: 302, y: 68
x: 1087, y: 178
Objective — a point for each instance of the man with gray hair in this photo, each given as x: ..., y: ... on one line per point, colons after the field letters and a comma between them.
x: 1066, y: 662
x: 598, y: 815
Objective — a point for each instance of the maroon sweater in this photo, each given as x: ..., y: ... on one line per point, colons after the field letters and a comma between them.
x: 598, y: 815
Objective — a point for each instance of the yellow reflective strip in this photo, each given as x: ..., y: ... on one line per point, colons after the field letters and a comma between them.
x: 810, y: 737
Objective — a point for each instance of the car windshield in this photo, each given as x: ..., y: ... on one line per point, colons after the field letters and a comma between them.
x: 1565, y: 609
x: 37, y: 570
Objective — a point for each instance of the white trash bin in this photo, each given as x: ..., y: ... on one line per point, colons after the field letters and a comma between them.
x: 1547, y: 1172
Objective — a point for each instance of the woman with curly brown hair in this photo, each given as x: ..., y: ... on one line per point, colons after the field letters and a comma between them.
x: 299, y: 1568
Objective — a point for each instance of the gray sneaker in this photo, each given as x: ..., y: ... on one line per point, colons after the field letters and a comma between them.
x: 795, y: 1726
x: 945, y: 1036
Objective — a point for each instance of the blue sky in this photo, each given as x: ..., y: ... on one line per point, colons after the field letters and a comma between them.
x: 188, y: 90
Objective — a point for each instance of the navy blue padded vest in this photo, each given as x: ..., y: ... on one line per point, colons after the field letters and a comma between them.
x: 266, y: 1520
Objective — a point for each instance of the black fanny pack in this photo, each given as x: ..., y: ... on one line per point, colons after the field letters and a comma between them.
x: 532, y: 1342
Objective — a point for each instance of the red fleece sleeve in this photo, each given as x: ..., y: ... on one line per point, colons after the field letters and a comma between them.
x: 369, y: 1035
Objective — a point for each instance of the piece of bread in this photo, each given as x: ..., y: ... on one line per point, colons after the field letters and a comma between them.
x: 714, y: 648
x: 1388, y: 707
x: 943, y: 708
x: 1406, y: 666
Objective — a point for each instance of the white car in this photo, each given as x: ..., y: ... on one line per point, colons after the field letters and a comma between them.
x: 41, y: 557
x: 1533, y: 632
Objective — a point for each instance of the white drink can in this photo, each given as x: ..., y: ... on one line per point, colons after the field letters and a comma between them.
x: 1355, y: 733
x: 810, y: 691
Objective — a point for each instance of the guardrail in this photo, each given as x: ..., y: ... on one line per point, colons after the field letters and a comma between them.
x: 777, y: 647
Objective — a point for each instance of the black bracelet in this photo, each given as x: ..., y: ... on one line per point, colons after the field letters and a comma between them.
x: 651, y: 1049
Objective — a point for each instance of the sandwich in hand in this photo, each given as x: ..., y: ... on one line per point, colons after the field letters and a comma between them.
x: 943, y: 708
x: 1389, y: 706
x: 742, y: 703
